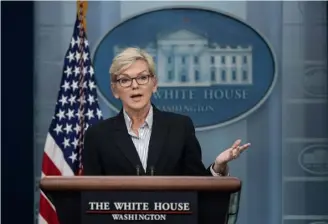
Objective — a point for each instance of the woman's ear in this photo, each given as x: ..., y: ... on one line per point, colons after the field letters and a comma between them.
x: 114, y: 90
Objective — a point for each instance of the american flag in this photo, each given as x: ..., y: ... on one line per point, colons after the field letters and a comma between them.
x: 76, y: 109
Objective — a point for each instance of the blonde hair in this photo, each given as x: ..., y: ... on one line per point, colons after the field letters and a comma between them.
x: 127, y: 57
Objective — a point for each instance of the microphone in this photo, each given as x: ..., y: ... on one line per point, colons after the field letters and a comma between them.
x: 138, y: 170
x: 152, y: 171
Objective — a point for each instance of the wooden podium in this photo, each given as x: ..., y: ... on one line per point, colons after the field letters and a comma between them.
x: 141, y: 199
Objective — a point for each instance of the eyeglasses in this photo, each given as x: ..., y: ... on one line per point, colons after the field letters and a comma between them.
x: 127, y: 81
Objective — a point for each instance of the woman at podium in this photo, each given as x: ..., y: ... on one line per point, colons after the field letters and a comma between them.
x: 141, y: 139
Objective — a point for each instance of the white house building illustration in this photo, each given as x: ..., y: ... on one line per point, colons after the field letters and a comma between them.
x: 184, y: 58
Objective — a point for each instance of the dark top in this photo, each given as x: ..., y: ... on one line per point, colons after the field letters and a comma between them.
x: 173, y: 148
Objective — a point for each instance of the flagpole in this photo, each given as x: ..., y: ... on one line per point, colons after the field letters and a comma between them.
x: 76, y: 110
x: 82, y: 7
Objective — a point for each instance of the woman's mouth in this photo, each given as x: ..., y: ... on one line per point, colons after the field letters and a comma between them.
x: 136, y: 97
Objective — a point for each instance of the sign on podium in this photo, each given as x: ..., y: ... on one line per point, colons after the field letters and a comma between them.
x: 141, y: 199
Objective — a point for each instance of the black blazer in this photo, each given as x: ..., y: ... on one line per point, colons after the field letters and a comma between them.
x: 173, y: 148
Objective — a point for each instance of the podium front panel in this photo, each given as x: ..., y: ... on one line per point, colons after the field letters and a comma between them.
x: 125, y: 207
x: 169, y: 206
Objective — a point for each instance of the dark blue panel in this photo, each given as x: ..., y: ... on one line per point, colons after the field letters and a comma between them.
x: 17, y: 112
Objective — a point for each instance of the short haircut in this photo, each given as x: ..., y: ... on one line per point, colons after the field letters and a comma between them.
x: 127, y: 57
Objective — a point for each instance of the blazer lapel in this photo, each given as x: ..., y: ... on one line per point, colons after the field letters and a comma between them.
x: 125, y: 143
x: 159, y: 134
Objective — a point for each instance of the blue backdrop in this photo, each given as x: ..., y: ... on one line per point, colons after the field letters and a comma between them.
x: 284, y: 173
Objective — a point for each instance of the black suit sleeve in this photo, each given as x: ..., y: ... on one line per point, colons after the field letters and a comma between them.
x: 90, y: 155
x: 192, y: 158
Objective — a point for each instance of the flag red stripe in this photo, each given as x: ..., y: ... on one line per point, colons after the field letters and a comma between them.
x: 47, y: 211
x: 48, y: 167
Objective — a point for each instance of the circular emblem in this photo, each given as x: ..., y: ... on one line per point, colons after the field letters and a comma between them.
x: 315, y: 81
x: 314, y: 159
x: 210, y: 66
